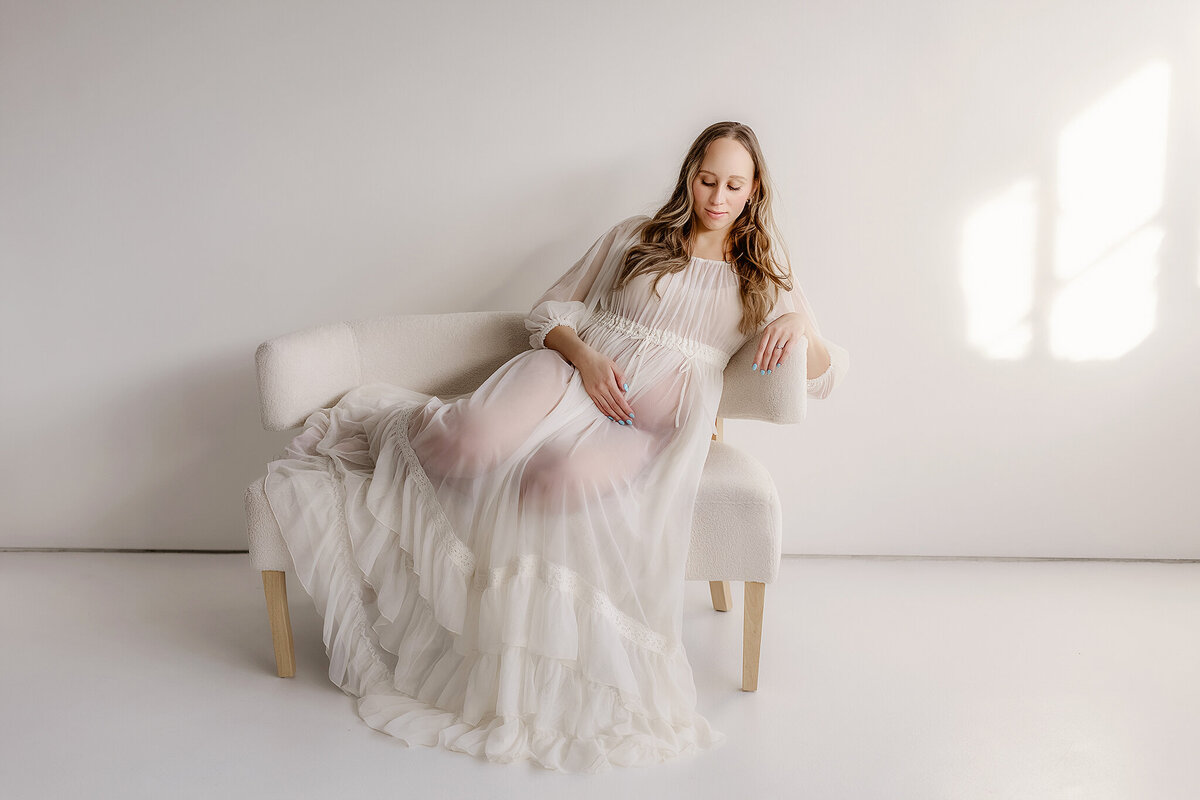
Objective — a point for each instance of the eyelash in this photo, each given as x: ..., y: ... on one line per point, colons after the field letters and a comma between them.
x: 732, y: 188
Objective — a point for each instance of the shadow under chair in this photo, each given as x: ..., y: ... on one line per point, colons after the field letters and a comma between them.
x: 737, y: 524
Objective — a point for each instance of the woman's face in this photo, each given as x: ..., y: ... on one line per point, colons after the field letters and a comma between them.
x: 723, y: 184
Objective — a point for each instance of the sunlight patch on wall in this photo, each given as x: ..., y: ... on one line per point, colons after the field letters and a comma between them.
x: 1108, y: 309
x: 1110, y: 188
x: 1099, y: 295
x: 998, y: 258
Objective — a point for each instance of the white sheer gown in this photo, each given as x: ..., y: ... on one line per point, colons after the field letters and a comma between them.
x: 502, y: 574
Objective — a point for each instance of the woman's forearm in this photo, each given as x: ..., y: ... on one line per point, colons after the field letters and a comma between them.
x: 566, y: 341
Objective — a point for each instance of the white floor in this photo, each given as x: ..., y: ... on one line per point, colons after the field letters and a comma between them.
x: 130, y: 675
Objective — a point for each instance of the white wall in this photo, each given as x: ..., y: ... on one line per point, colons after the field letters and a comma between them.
x: 179, y: 182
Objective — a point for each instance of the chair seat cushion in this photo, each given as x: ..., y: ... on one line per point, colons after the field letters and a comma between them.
x: 737, y: 526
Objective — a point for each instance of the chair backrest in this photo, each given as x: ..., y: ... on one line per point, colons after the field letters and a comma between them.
x: 452, y: 354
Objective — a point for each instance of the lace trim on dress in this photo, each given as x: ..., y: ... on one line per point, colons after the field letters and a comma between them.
x: 345, y: 564
x: 689, y: 347
x: 458, y: 551
x: 556, y: 576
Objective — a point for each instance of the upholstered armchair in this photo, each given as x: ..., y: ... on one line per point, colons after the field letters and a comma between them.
x: 737, y: 526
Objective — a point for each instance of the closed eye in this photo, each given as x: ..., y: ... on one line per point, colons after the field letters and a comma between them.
x: 732, y: 188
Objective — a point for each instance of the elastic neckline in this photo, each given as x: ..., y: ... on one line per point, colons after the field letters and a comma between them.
x: 711, y: 260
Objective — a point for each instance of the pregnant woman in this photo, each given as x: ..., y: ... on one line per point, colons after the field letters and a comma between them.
x: 501, y: 573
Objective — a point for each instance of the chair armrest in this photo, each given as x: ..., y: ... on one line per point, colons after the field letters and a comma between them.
x: 435, y: 354
x: 303, y: 371
x: 782, y: 397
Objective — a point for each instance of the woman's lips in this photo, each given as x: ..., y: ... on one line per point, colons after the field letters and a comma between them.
x: 714, y: 214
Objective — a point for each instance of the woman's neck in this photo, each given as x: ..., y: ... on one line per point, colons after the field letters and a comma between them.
x: 711, y: 246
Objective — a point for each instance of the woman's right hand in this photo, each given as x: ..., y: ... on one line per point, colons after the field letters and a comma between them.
x: 605, y: 384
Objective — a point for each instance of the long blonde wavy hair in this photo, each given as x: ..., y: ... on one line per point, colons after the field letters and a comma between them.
x: 759, y: 254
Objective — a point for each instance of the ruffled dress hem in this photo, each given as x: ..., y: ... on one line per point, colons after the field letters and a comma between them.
x: 427, y: 640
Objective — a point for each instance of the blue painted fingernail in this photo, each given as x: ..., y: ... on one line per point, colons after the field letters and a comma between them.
x: 777, y: 365
x: 762, y: 372
x: 607, y: 416
x: 627, y: 387
x: 768, y: 372
x: 755, y: 365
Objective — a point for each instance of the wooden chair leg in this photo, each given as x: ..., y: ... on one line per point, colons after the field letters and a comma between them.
x: 275, y: 588
x: 721, y: 596
x: 753, y: 594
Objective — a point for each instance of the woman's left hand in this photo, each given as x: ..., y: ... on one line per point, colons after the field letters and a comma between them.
x: 782, y: 332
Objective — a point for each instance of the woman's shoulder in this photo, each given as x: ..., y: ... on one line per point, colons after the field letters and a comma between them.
x: 629, y: 227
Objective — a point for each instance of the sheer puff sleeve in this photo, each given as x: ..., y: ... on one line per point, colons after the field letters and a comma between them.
x: 839, y: 362
x: 839, y: 359
x: 573, y: 296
